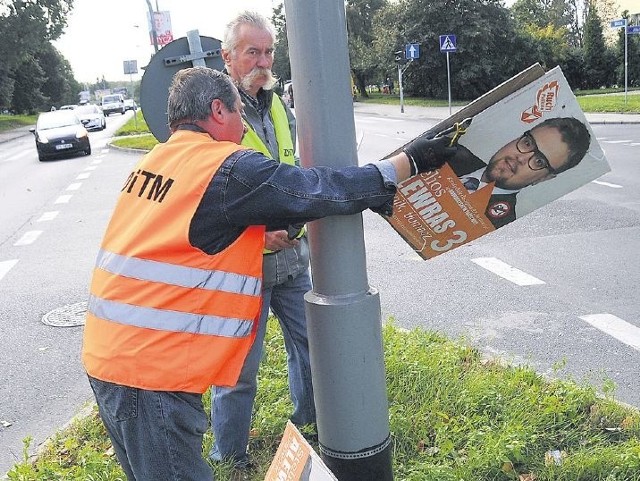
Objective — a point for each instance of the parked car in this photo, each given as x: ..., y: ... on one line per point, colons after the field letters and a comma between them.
x: 91, y: 117
x: 68, y: 107
x: 113, y: 103
x: 130, y: 104
x: 60, y: 133
x: 287, y: 95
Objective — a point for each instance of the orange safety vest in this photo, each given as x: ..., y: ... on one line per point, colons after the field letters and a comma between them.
x: 162, y: 314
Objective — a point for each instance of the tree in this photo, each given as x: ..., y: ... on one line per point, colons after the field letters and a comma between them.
x: 281, y: 62
x: 60, y: 86
x: 598, y: 67
x: 542, y: 13
x: 360, y: 18
x: 633, y: 57
x: 24, y: 27
x: 486, y: 55
x: 551, y: 26
x: 30, y: 77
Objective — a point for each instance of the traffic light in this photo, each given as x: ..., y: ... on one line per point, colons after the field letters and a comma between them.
x: 399, y: 55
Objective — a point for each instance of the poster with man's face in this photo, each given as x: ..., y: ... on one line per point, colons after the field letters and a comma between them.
x: 517, y: 148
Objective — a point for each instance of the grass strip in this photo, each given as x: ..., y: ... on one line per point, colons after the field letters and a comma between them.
x: 453, y: 416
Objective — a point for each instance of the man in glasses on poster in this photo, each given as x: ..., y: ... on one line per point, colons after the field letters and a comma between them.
x: 548, y: 149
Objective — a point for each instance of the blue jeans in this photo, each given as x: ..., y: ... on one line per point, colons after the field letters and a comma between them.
x: 156, y: 435
x: 231, y: 408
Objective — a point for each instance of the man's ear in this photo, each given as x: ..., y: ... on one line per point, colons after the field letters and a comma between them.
x: 217, y: 110
x: 226, y: 56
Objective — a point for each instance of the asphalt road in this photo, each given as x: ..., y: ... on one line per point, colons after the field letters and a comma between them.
x: 52, y: 219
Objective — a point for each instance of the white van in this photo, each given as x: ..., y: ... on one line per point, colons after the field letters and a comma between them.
x: 113, y: 103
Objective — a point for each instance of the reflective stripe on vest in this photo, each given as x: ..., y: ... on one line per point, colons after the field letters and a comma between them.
x: 148, y: 270
x: 161, y: 319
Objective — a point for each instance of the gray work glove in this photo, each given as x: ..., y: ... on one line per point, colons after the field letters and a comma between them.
x: 429, y: 154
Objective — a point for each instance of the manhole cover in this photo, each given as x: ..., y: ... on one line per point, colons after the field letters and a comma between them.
x: 66, y: 316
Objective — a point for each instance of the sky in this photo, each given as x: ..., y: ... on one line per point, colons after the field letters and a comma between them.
x: 101, y: 35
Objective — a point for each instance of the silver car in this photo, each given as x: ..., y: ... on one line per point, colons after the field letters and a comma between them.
x: 91, y: 117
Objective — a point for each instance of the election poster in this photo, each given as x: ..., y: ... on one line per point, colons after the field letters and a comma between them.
x: 296, y: 460
x: 520, y: 146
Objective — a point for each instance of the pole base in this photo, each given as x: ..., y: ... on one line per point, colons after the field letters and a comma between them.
x: 351, y: 467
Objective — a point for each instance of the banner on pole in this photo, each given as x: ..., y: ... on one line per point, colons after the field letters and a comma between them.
x: 162, y: 23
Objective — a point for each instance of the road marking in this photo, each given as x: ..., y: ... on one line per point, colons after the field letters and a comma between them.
x: 5, y: 266
x: 615, y: 327
x: 104, y: 151
x: 63, y: 199
x: 74, y: 186
x: 633, y: 144
x: 17, y: 156
x: 615, y: 141
x: 387, y: 120
x: 85, y: 175
x: 607, y: 184
x: 28, y: 238
x: 90, y: 168
x: 506, y: 271
x: 48, y: 216
x: 96, y: 161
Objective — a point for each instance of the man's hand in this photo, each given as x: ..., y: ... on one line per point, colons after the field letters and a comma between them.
x: 278, y: 240
x: 429, y: 154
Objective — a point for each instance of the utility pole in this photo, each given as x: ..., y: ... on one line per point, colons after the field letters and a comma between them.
x: 152, y: 20
x: 343, y: 311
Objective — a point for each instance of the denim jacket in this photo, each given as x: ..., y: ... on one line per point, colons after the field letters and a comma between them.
x: 251, y: 189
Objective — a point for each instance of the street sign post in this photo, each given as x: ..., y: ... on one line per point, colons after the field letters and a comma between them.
x: 622, y: 23
x: 448, y: 43
x: 130, y: 67
x: 411, y: 53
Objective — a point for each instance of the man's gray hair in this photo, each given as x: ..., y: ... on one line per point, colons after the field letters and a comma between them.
x: 193, y: 89
x: 232, y: 32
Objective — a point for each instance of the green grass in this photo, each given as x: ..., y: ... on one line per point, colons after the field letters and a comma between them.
x: 453, y: 416
x: 610, y: 103
x: 8, y: 122
x: 379, y: 98
x: 135, y: 125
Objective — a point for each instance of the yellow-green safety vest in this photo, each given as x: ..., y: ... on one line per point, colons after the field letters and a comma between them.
x: 283, y: 137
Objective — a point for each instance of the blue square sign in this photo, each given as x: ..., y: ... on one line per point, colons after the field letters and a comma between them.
x: 412, y: 51
x: 448, y: 43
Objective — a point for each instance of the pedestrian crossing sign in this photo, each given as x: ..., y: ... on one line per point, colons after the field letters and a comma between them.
x: 448, y: 43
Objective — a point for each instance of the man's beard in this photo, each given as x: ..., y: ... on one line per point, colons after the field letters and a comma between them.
x: 263, y: 75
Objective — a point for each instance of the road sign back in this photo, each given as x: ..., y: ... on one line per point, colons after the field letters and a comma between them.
x: 448, y: 43
x: 154, y: 88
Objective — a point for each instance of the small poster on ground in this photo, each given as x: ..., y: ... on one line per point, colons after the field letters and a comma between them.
x: 296, y: 460
x: 518, y: 147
